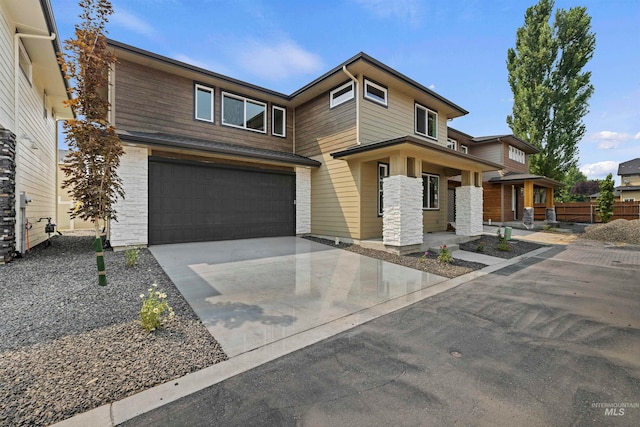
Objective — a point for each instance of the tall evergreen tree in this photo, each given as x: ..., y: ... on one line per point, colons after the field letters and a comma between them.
x: 550, y: 89
x: 606, y: 199
x: 91, y: 167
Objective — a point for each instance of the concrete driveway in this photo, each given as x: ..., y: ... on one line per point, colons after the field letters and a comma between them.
x: 551, y: 340
x: 253, y: 292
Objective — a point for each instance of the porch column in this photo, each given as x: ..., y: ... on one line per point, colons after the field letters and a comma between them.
x: 303, y: 200
x: 402, y: 217
x: 528, y: 211
x: 468, y: 210
x: 549, y: 198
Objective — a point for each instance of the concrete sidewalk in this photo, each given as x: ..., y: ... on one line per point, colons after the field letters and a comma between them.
x: 140, y: 403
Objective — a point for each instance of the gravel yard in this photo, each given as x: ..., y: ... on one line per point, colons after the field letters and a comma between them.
x: 616, y: 231
x: 429, y: 264
x: 516, y: 247
x: 68, y: 345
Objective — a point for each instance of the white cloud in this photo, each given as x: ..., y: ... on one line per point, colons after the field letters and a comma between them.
x: 608, y: 140
x: 406, y: 10
x: 207, y: 65
x: 130, y: 21
x: 276, y: 61
x: 432, y: 86
x: 599, y: 169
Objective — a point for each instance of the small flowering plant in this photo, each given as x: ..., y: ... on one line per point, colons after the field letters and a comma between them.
x: 445, y: 255
x: 424, y: 256
x: 153, y: 306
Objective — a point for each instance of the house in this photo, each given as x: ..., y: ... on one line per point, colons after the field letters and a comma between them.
x: 359, y: 153
x: 32, y: 91
x: 508, y: 191
x: 65, y: 204
x: 629, y: 173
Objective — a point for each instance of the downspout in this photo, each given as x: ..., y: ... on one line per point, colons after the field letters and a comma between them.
x: 355, y: 81
x: 20, y: 225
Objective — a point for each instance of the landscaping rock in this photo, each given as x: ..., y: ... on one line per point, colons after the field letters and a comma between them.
x: 619, y: 230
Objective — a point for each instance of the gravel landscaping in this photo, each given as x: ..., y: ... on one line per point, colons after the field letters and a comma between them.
x: 429, y: 264
x: 490, y: 247
x: 68, y: 345
x: 616, y: 231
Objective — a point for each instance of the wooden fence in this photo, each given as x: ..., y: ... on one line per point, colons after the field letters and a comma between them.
x: 588, y: 211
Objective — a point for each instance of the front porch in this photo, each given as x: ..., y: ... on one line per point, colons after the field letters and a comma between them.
x: 430, y: 242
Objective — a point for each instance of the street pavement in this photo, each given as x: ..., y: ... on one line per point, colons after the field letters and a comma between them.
x: 551, y: 340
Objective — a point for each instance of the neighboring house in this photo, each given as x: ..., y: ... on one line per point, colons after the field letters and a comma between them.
x: 359, y: 153
x: 629, y: 173
x: 32, y: 91
x: 508, y: 191
x: 66, y: 204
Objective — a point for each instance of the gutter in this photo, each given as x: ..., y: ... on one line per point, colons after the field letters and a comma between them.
x: 357, y: 94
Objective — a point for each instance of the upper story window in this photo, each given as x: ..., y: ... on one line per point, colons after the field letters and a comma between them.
x: 375, y: 92
x: 24, y: 62
x: 341, y: 94
x: 516, y: 154
x: 430, y: 191
x: 278, y: 121
x: 464, y: 149
x: 204, y: 103
x: 426, y: 122
x: 244, y: 113
x: 452, y: 144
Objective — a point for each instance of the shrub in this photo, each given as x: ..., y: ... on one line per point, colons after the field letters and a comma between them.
x: 131, y: 256
x: 503, y: 245
x: 480, y: 247
x: 153, y: 306
x: 445, y: 255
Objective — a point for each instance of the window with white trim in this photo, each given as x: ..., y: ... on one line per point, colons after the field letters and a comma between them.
x: 204, y: 103
x: 375, y: 92
x: 629, y: 199
x: 341, y: 94
x: 278, y: 121
x: 426, y: 122
x: 430, y: 191
x: 516, y: 154
x: 464, y: 149
x: 24, y: 62
x: 452, y: 144
x: 244, y: 113
x: 383, y: 172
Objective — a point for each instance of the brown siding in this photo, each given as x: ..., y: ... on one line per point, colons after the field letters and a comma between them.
x: 320, y: 129
x: 490, y: 152
x: 511, y: 165
x: 150, y: 100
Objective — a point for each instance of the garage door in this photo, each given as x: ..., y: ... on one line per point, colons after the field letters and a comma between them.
x: 191, y: 202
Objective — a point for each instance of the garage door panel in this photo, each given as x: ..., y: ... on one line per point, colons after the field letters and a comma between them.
x: 197, y: 202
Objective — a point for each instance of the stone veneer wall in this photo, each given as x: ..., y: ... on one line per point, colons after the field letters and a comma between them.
x: 402, y: 219
x: 468, y: 210
x: 303, y: 200
x: 7, y: 195
x: 132, y: 227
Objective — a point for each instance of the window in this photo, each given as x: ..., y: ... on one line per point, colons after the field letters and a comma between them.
x: 426, y: 122
x: 243, y: 113
x: 629, y: 200
x: 464, y: 149
x: 375, y: 92
x: 452, y: 144
x: 24, y: 62
x: 383, y: 172
x: 278, y: 121
x: 341, y: 94
x: 204, y: 103
x: 516, y: 154
x: 430, y: 191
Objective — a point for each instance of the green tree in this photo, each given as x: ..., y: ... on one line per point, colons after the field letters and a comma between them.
x: 606, y: 199
x: 550, y: 88
x: 91, y: 168
x: 572, y: 177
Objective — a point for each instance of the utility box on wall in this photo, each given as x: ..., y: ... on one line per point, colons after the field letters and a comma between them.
x: 7, y: 195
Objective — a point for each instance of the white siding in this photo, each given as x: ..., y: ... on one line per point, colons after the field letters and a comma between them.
x: 6, y: 71
x: 35, y: 167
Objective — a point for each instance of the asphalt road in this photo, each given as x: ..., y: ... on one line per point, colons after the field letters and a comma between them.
x: 547, y: 342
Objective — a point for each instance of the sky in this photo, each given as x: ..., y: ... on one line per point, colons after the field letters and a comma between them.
x: 458, y: 48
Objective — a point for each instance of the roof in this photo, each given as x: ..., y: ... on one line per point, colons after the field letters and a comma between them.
x: 521, y: 177
x: 632, y: 167
x: 163, y: 140
x: 628, y: 188
x: 412, y: 140
x: 616, y: 193
x: 306, y: 91
x: 530, y: 148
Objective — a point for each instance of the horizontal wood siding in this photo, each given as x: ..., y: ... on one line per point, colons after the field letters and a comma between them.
x: 150, y: 100
x: 335, y: 200
x: 436, y: 220
x: 371, y: 222
x: 36, y: 168
x: 512, y: 165
x: 6, y: 70
x: 378, y: 123
x: 490, y: 152
x: 320, y: 129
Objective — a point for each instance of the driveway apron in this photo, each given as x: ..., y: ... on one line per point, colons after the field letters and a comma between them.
x: 249, y: 293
